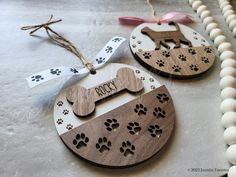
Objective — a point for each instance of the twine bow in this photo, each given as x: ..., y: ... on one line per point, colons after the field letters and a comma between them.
x: 60, y: 40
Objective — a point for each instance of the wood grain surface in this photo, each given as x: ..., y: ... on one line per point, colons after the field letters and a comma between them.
x: 29, y: 143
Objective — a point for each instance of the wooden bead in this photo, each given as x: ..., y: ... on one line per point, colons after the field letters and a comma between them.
x: 191, y: 2
x: 230, y: 18
x: 227, y: 81
x: 231, y: 154
x: 214, y: 33
x: 229, y: 119
x: 228, y: 105
x: 232, y: 25
x: 222, y: 5
x: 230, y: 135
x: 211, y: 26
x: 228, y: 63
x: 227, y: 55
x: 196, y: 4
x: 225, y: 46
x: 228, y: 92
x: 204, y: 14
x: 228, y: 71
x: 226, y: 8
x: 200, y: 9
x: 232, y: 171
x: 228, y: 13
x: 219, y: 40
x: 208, y: 20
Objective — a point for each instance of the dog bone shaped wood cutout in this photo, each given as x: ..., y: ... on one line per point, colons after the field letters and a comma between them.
x: 84, y: 100
x: 171, y: 50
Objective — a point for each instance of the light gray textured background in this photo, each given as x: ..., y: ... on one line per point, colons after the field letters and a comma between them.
x: 29, y: 144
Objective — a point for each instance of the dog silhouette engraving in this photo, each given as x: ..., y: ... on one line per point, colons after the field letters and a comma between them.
x: 161, y: 37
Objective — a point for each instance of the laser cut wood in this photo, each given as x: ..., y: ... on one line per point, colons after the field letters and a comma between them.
x: 161, y: 37
x: 127, y: 135
x: 83, y: 99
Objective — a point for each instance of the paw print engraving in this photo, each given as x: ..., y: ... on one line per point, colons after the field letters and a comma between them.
x: 195, y: 37
x: 59, y: 103
x: 111, y: 124
x: 194, y: 68
x: 55, y: 72
x: 153, y: 87
x: 74, y: 70
x: 103, y: 145
x: 147, y: 55
x: 134, y: 128
x: 80, y: 140
x: 182, y: 57
x: 59, y: 121
x: 159, y: 113
x: 166, y: 53
x: 127, y: 148
x: 205, y: 59
x: 192, y: 51
x: 117, y: 39
x: 208, y: 50
x: 65, y: 111
x: 162, y: 97
x: 160, y: 63
x: 155, y: 131
x: 109, y: 49
x: 37, y: 78
x: 203, y: 40
x: 100, y: 60
x: 176, y: 68
x: 69, y: 127
x: 140, y: 109
x: 142, y: 78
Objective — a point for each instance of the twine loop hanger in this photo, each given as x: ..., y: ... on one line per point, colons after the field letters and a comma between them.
x: 154, y: 13
x: 60, y: 40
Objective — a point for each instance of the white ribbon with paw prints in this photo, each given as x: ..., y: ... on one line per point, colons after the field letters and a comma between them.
x: 101, y: 59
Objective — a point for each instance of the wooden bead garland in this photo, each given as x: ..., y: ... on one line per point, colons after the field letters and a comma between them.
x: 229, y: 14
x: 228, y: 80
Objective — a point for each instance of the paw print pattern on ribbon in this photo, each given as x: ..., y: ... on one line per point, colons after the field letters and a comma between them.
x: 109, y: 49
x: 116, y: 39
x: 80, y: 140
x: 37, y: 78
x: 100, y: 60
x: 74, y: 70
x: 55, y: 72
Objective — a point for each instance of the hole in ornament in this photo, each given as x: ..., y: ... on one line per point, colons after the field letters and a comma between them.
x: 140, y: 109
x: 81, y: 140
x: 134, y: 128
x: 111, y: 124
x: 127, y: 148
x: 159, y: 112
x: 155, y: 131
x: 162, y: 97
x: 103, y: 144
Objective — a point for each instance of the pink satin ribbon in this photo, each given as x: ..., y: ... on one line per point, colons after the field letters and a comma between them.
x: 171, y: 16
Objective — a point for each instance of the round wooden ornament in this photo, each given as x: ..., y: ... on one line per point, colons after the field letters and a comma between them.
x: 171, y: 49
x: 126, y: 116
